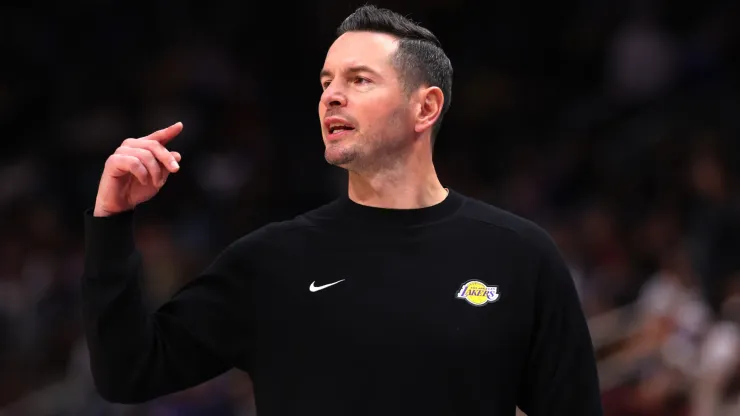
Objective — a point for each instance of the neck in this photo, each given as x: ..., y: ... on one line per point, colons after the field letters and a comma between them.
x: 409, y: 183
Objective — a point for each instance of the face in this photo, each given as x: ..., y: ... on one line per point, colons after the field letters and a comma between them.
x: 364, y: 112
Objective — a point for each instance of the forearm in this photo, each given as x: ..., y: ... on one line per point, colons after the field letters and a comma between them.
x: 135, y: 356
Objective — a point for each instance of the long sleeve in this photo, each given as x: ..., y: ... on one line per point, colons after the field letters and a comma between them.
x: 561, y: 377
x: 201, y: 332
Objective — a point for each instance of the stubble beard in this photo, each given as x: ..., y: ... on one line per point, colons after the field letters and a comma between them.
x: 365, y: 153
x: 341, y: 154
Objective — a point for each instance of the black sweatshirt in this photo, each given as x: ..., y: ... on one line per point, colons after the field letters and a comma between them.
x: 456, y: 309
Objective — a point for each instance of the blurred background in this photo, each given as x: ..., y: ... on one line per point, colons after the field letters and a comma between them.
x: 614, y: 124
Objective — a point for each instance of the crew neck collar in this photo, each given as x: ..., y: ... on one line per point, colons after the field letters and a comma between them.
x: 401, y: 217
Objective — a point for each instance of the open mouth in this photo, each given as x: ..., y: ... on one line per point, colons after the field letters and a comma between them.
x: 338, y: 128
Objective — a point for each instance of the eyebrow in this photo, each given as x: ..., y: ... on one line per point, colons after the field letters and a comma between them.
x: 354, y: 69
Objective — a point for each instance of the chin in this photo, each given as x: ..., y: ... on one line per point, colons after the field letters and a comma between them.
x: 339, y: 155
x: 343, y: 161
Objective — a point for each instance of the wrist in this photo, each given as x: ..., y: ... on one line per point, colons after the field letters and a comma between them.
x: 100, y: 211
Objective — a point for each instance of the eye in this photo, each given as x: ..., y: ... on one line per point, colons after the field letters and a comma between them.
x: 325, y: 84
x: 361, y: 81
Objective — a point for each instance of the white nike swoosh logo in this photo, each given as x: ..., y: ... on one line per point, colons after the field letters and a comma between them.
x: 313, y: 288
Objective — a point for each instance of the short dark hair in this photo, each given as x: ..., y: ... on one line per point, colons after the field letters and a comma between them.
x: 419, y: 59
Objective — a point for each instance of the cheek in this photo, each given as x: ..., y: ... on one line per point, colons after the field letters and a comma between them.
x: 381, y: 113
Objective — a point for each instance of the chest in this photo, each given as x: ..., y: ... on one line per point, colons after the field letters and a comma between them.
x: 422, y: 295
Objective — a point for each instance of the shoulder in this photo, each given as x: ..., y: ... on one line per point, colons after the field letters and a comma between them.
x: 283, y: 233
x: 527, y: 243
x: 524, y: 230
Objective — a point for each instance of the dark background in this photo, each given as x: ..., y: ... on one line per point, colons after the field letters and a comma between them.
x: 614, y: 124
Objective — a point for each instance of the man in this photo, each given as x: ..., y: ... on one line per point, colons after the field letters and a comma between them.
x: 399, y: 298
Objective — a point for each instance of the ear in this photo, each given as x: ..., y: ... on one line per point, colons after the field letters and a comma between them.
x: 430, y: 103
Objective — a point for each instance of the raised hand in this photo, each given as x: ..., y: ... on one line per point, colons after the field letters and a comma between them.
x: 136, y: 171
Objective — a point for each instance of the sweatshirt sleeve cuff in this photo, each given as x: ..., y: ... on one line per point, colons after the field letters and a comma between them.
x: 108, y: 239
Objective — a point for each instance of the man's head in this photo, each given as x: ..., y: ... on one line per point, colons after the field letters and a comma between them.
x: 388, y: 80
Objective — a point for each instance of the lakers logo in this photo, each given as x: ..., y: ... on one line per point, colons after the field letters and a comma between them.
x: 478, y: 293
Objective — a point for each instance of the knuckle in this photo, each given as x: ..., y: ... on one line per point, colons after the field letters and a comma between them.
x: 112, y: 159
x: 154, y: 152
x: 135, y: 164
x: 158, y: 149
x: 144, y: 155
x: 150, y: 158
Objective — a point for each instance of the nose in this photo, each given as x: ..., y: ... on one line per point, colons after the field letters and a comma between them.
x: 333, y: 97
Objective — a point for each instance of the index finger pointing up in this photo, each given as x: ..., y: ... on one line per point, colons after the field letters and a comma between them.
x: 166, y: 134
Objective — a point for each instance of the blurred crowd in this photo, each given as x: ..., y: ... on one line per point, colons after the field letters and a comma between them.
x: 613, y: 124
